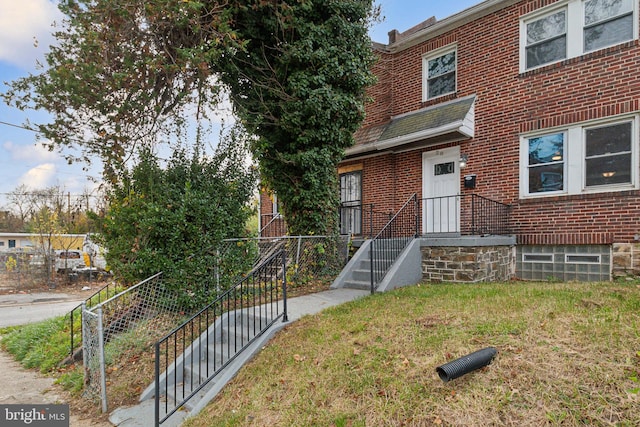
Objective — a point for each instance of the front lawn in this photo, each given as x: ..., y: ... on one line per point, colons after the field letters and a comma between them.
x: 568, y: 354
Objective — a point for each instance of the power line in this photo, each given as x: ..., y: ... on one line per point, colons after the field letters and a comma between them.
x: 17, y: 126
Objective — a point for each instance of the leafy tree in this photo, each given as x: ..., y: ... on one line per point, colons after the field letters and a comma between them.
x: 299, y: 83
x: 125, y: 74
x: 169, y: 218
x: 132, y: 73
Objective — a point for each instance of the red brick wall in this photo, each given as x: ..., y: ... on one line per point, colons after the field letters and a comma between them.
x: 593, y: 86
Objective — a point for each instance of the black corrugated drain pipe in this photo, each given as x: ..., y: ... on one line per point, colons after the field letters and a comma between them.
x: 471, y: 362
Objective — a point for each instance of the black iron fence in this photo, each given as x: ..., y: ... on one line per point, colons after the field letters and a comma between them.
x: 466, y: 214
x: 189, y: 357
x: 392, y: 239
x: 452, y: 215
x: 362, y: 220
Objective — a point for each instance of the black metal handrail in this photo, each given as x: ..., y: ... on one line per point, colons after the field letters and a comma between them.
x: 198, y: 350
x: 392, y: 240
x: 370, y: 220
x: 464, y: 214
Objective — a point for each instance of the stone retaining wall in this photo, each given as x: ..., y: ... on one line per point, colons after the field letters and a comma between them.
x: 626, y: 260
x: 468, y: 263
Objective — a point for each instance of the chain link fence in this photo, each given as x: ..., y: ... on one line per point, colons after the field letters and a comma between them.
x: 153, y: 310
x: 24, y: 269
x: 105, y: 324
x: 308, y: 257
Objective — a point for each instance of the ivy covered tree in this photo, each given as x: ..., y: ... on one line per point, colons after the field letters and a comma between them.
x: 172, y: 218
x: 298, y: 84
x: 130, y: 73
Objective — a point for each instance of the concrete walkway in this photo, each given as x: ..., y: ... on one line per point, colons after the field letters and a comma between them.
x: 142, y: 415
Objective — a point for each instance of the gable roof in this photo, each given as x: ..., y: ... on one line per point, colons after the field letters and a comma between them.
x: 447, y: 122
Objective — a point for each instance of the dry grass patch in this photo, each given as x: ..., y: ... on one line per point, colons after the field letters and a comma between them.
x: 568, y: 354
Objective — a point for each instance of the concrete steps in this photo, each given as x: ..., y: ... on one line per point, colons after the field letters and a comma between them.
x: 215, y: 350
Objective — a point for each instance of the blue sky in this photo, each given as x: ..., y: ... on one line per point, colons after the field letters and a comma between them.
x: 25, y: 28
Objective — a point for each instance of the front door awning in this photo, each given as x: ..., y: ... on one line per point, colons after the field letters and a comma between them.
x: 442, y: 123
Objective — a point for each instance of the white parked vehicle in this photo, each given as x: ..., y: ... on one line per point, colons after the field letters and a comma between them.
x: 69, y: 261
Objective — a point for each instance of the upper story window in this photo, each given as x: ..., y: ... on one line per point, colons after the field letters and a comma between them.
x: 607, y: 22
x: 547, y: 39
x: 439, y: 73
x: 571, y: 28
x: 580, y: 159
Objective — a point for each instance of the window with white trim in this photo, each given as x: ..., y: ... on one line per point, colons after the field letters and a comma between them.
x: 607, y: 22
x: 593, y: 157
x: 571, y: 28
x: 439, y: 70
x: 546, y: 39
x: 546, y: 163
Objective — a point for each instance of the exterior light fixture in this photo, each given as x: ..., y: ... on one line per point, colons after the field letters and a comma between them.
x: 463, y: 161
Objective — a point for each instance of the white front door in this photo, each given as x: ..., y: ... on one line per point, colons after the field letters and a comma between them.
x: 440, y: 191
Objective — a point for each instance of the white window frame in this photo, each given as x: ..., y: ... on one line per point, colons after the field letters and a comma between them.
x: 527, y: 257
x: 575, y: 159
x: 564, y: 163
x: 597, y: 259
x: 425, y: 70
x: 575, y: 30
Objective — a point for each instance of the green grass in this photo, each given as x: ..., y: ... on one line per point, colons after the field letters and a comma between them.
x: 42, y: 345
x: 568, y: 354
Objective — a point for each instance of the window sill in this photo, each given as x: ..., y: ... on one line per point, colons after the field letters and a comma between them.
x: 577, y: 197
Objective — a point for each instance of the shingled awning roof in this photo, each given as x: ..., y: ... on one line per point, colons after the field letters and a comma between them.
x: 453, y: 121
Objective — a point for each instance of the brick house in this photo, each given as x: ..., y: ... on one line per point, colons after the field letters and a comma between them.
x: 539, y: 101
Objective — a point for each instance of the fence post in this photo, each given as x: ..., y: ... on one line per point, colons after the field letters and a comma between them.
x: 156, y: 396
x: 71, y: 329
x: 103, y: 373
x: 371, y: 247
x: 298, y: 255
x: 84, y: 332
x: 285, y: 318
x: 417, y: 214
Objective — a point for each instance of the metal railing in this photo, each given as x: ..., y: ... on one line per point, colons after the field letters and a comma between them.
x: 147, y: 303
x: 468, y: 214
x: 189, y: 357
x: 274, y: 225
x: 362, y: 220
x: 392, y: 239
x: 452, y: 215
x: 98, y: 297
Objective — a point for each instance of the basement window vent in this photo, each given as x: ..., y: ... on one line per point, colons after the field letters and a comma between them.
x: 582, y: 259
x: 537, y: 258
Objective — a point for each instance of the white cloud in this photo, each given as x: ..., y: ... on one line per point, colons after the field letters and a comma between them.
x: 23, y: 23
x: 30, y: 153
x: 39, y: 177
